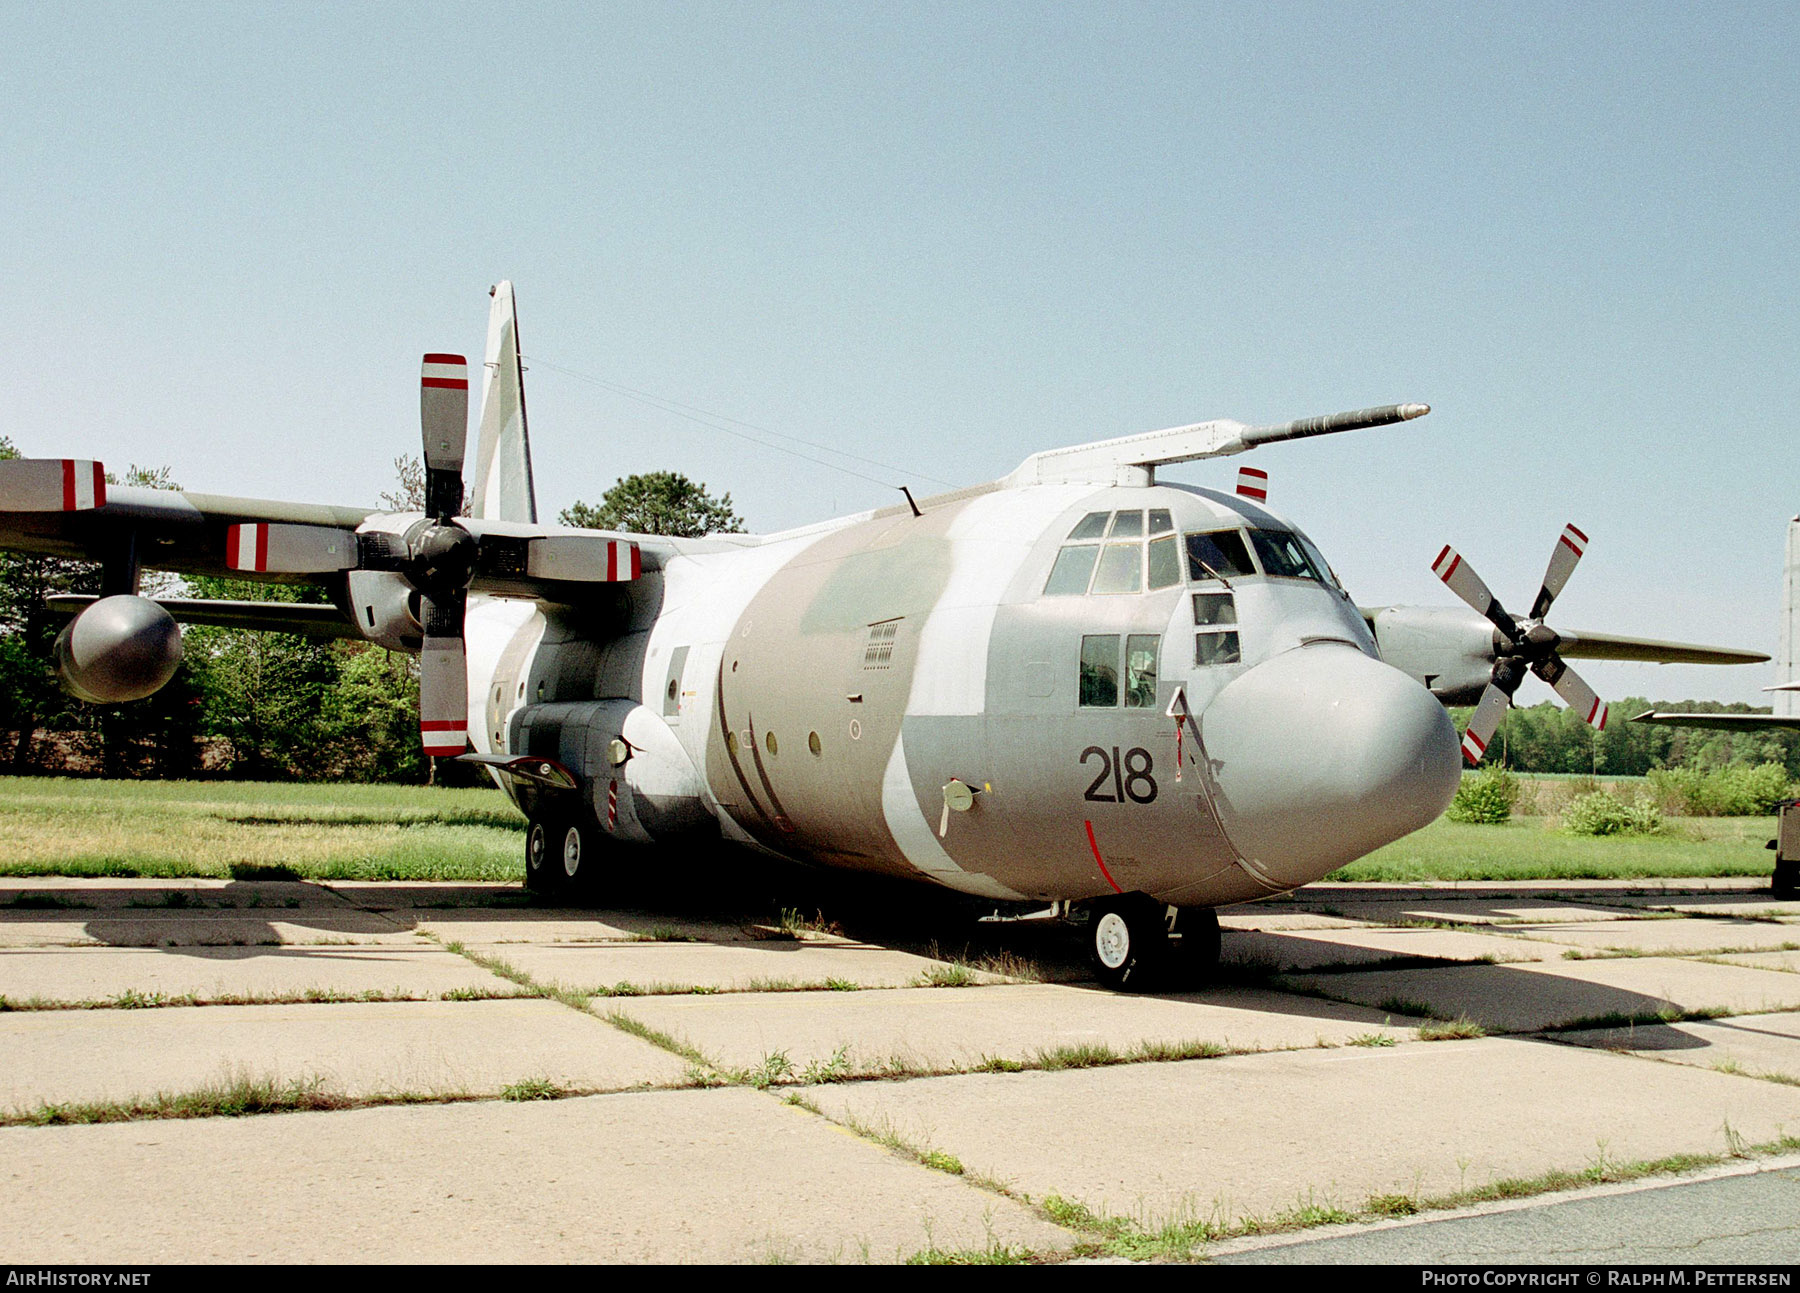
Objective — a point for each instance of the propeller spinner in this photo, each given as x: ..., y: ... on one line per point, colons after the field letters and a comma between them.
x: 1521, y: 643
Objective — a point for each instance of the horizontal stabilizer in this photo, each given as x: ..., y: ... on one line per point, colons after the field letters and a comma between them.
x: 51, y: 485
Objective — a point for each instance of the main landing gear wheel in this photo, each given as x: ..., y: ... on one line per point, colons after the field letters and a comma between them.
x: 1128, y: 942
x: 543, y: 856
x: 1194, y: 945
x: 573, y: 859
x: 1786, y: 881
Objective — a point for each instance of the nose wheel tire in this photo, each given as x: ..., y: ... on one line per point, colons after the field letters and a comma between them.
x: 1128, y: 942
x: 1785, y: 883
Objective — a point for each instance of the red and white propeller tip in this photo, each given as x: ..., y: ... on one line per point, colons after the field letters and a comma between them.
x: 1522, y: 643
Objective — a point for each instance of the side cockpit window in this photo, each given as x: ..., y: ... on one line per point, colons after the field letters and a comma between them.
x: 1106, y: 680
x: 1284, y: 556
x: 1215, y: 629
x: 1113, y: 553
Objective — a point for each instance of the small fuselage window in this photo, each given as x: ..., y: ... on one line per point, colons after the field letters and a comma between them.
x: 1215, y: 629
x: 1100, y: 687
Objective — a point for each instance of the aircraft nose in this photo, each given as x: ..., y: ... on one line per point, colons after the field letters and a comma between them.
x: 1321, y: 755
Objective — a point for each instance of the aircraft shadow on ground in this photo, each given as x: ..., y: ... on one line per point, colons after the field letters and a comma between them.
x: 1298, y: 977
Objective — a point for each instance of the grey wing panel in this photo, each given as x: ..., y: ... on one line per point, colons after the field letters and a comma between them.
x: 171, y: 530
x: 1738, y: 722
x: 306, y: 619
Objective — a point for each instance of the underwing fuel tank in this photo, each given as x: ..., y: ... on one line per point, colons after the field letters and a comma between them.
x: 119, y: 649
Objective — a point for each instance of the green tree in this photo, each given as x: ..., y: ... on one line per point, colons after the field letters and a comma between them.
x: 657, y: 502
x: 373, y: 715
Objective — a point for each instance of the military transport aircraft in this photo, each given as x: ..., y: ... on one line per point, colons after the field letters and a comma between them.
x: 1132, y: 700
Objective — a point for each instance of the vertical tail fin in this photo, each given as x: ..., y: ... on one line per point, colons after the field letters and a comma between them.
x: 1787, y: 663
x: 503, y: 488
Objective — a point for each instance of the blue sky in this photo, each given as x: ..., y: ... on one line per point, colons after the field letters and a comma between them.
x: 944, y: 236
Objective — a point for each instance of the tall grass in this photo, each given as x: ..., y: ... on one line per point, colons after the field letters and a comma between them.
x: 61, y: 826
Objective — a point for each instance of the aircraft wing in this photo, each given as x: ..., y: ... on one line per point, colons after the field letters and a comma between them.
x: 168, y: 529
x: 63, y: 508
x: 308, y: 619
x: 1725, y: 722
x: 1584, y: 645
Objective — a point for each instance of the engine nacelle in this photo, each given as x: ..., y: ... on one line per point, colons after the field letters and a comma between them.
x: 1450, y: 649
x: 119, y: 649
x: 386, y: 610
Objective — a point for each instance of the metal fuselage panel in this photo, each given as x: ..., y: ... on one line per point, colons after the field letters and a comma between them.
x: 823, y: 689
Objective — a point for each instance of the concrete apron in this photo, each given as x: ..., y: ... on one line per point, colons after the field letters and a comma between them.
x: 1338, y: 1100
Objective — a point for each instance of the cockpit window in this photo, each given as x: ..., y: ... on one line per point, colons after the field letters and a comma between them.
x: 1141, y: 650
x: 1106, y: 554
x: 1091, y: 526
x: 1127, y: 525
x: 1284, y: 556
x: 1121, y: 569
x: 1069, y: 576
x: 1215, y: 622
x: 1219, y: 554
x: 1319, y: 563
x: 1165, y: 562
x: 1099, y: 683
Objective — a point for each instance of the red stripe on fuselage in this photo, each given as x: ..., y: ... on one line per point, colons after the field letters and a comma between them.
x: 1097, y: 859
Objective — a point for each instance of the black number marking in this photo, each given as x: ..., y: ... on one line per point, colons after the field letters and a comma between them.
x: 1130, y: 775
x: 1138, y: 765
x: 1106, y: 768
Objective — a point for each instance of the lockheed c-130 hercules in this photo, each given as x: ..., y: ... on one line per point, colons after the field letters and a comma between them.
x: 1132, y: 700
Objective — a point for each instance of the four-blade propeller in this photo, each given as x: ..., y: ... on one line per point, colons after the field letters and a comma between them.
x: 441, y: 557
x: 1521, y: 643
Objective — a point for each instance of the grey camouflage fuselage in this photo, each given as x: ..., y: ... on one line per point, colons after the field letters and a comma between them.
x: 814, y: 694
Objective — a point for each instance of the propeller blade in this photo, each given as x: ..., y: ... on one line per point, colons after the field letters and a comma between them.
x: 443, y: 677
x: 289, y: 549
x: 51, y: 485
x: 1580, y: 697
x: 1484, y: 722
x: 1466, y: 584
x: 1562, y: 564
x: 444, y: 421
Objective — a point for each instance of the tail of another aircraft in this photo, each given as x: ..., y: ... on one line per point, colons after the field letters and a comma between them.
x: 503, y: 488
x: 1787, y: 663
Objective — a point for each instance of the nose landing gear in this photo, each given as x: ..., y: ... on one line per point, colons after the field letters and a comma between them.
x: 1136, y: 943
